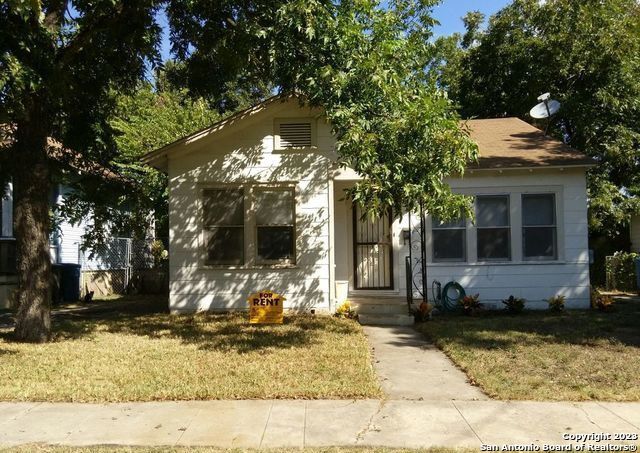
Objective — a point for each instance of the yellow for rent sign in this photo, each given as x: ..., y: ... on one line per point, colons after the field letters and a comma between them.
x: 266, y: 307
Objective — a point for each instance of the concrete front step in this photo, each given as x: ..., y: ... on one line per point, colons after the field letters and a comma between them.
x: 385, y: 319
x: 381, y: 309
x: 378, y: 300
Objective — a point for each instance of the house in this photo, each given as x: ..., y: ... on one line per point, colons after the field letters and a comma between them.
x: 66, y: 239
x: 257, y: 202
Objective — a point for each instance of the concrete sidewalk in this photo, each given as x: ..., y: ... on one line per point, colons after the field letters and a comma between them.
x: 263, y: 424
x: 411, y: 368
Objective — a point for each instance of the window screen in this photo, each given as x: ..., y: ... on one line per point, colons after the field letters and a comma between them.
x: 223, y: 212
x: 449, y: 240
x: 275, y: 225
x: 539, y: 230
x: 493, y: 227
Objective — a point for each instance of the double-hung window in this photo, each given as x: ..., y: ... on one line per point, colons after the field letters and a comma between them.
x: 223, y: 224
x: 449, y: 240
x: 248, y: 225
x: 493, y: 228
x: 275, y: 226
x: 539, y: 227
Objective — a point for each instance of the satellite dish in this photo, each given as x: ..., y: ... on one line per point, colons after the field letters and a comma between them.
x: 546, y: 109
x: 544, y: 97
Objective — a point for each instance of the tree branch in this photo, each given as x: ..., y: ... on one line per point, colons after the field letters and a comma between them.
x: 87, y: 31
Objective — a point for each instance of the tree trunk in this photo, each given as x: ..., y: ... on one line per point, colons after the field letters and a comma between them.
x: 31, y: 180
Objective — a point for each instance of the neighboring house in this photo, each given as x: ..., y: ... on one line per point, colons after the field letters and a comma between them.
x: 66, y: 239
x: 257, y: 203
x: 64, y: 246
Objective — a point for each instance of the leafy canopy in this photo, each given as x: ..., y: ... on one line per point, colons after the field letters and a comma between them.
x: 586, y: 54
x: 366, y: 65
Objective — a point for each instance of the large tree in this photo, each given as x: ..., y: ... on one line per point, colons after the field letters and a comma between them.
x: 364, y: 61
x: 586, y: 54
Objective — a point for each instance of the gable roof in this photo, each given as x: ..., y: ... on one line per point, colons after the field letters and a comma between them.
x: 503, y: 143
x: 513, y: 143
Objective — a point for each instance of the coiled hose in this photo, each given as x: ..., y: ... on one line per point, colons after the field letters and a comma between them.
x: 447, y: 298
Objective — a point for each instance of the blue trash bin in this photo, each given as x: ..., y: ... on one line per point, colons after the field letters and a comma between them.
x: 70, y: 282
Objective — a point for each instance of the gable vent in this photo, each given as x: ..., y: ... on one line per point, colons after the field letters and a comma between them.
x: 295, y: 135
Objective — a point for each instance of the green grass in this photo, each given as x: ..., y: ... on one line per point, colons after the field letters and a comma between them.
x: 132, y: 355
x: 574, y: 356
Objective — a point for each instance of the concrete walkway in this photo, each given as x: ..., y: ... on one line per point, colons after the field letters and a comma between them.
x: 263, y: 424
x: 411, y: 368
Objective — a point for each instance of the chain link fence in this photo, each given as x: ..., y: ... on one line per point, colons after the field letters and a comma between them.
x: 125, y: 266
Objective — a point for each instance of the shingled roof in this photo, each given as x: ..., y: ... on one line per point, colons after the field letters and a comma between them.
x: 512, y: 143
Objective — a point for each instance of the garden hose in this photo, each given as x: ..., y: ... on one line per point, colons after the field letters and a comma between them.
x: 452, y: 293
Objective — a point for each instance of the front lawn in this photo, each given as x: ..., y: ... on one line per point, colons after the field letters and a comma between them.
x: 131, y: 355
x: 575, y: 356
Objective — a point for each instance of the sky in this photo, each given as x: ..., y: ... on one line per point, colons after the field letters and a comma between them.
x: 449, y: 13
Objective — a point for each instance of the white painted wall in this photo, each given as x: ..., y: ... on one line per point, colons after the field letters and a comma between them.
x: 534, y: 281
x: 635, y: 233
x: 244, y: 152
x: 70, y: 234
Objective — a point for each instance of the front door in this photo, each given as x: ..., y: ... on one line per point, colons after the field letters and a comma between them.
x: 372, y: 251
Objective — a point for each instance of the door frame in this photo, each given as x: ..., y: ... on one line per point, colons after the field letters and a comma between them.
x: 354, y: 246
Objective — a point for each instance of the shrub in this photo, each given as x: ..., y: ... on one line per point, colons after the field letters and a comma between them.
x: 602, y: 302
x: 514, y: 304
x: 346, y: 311
x: 471, y: 304
x: 160, y: 255
x: 423, y: 312
x: 621, y: 271
x: 556, y: 303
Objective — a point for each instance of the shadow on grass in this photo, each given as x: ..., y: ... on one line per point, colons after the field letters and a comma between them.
x: 223, y: 332
x: 500, y: 330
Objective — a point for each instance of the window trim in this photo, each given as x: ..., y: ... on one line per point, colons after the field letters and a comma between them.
x: 250, y: 231
x: 277, y: 122
x: 556, y: 247
x: 507, y: 227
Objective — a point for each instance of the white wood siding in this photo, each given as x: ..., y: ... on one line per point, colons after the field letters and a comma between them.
x: 70, y: 235
x: 244, y: 153
x: 635, y: 233
x: 534, y: 281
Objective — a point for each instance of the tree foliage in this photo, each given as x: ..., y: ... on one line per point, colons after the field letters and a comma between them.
x: 366, y: 66
x: 587, y: 55
x: 364, y: 61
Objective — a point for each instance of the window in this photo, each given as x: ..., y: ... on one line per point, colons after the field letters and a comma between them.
x: 294, y: 133
x: 223, y: 223
x: 493, y: 227
x: 539, y: 235
x: 449, y: 240
x: 275, y: 225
